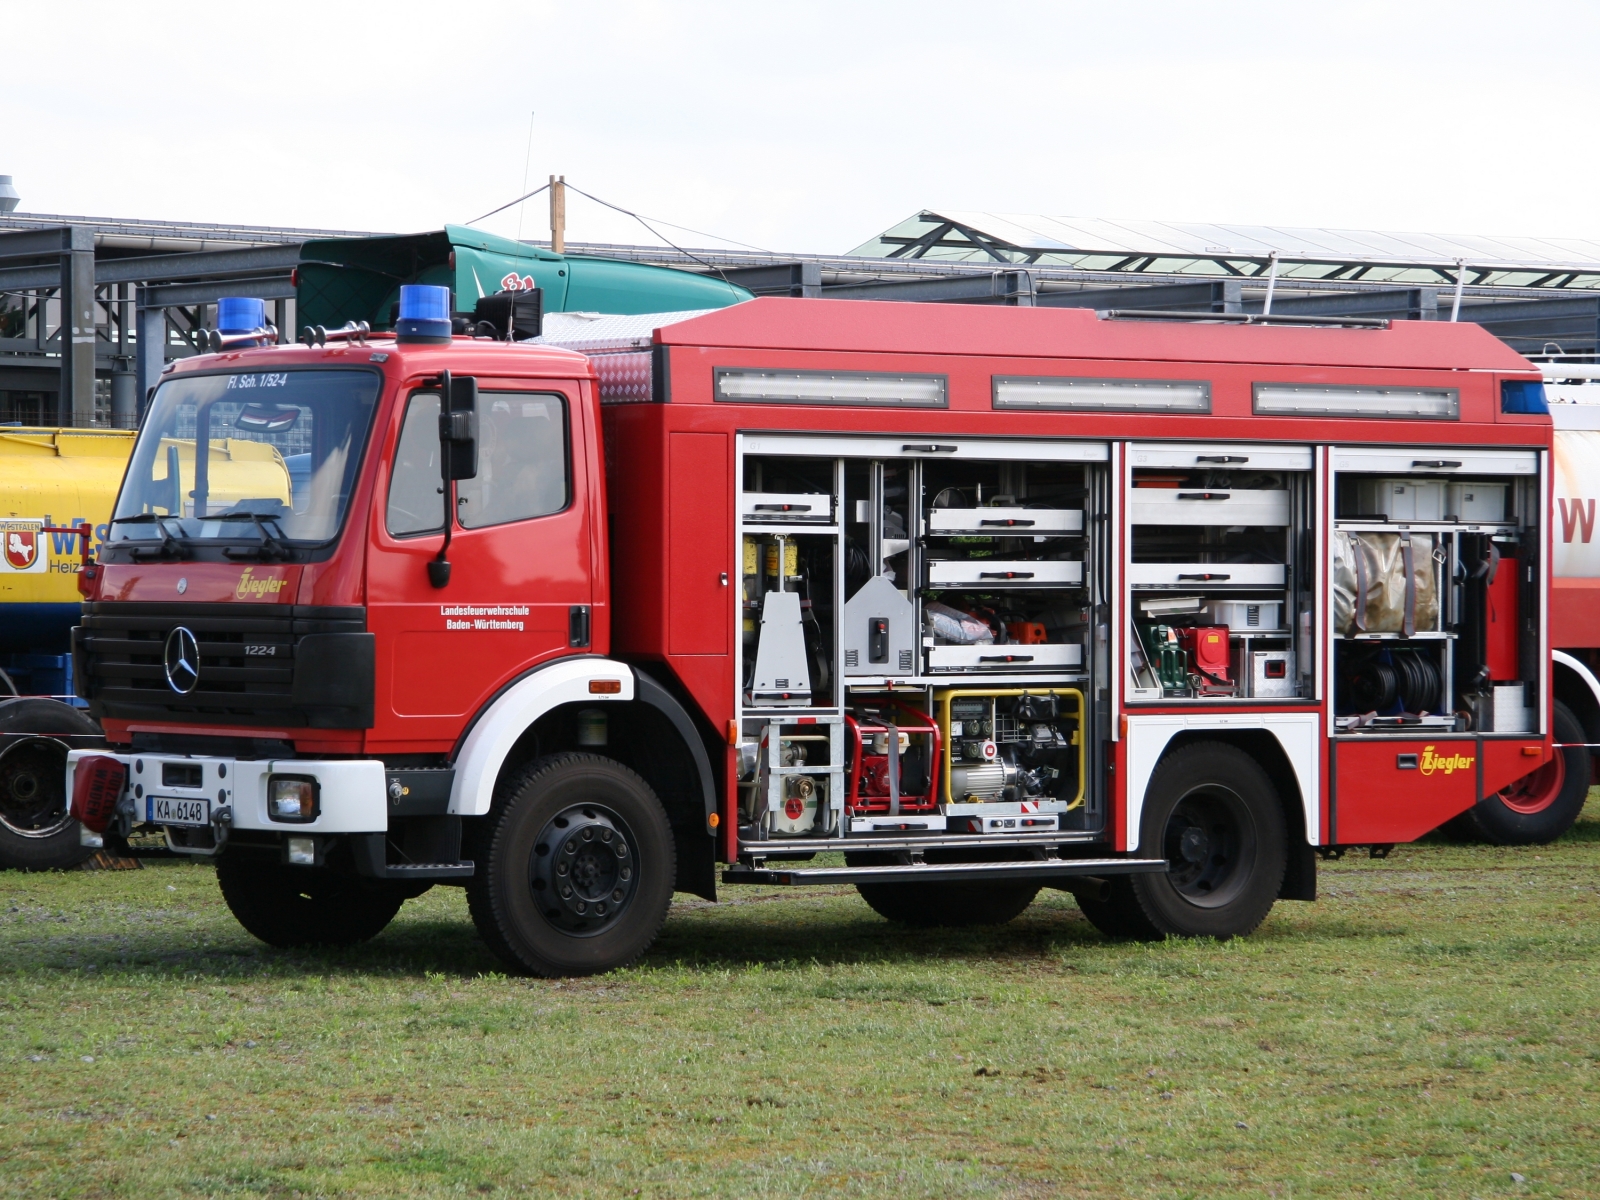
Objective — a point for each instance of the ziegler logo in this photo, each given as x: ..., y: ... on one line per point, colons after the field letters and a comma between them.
x: 1448, y: 764
x: 250, y: 588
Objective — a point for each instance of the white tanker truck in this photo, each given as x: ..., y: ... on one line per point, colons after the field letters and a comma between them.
x: 1544, y: 805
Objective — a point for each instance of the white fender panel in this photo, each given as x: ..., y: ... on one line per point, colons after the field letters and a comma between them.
x: 1298, y: 733
x: 1561, y: 658
x: 497, y: 730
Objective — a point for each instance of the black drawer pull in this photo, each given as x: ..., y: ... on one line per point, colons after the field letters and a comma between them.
x: 1207, y: 578
x: 1005, y: 658
x: 1005, y: 574
x: 930, y: 448
x: 1434, y: 462
x: 1222, y: 458
x: 1008, y: 521
x: 1405, y: 762
x: 1204, y: 495
x: 783, y: 508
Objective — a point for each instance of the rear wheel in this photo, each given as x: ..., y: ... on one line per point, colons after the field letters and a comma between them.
x: 1213, y: 814
x: 288, y: 906
x: 36, y: 832
x: 576, y: 867
x: 1541, y: 806
x: 935, y: 905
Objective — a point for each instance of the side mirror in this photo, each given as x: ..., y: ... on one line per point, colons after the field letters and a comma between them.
x: 458, y: 427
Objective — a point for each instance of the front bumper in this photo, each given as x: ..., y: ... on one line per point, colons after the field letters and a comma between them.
x: 352, y: 795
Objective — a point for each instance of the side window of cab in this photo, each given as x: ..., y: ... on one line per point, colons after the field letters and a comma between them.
x: 416, y: 492
x: 524, y: 464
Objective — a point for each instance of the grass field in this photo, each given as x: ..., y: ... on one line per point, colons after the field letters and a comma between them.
x: 1430, y: 1027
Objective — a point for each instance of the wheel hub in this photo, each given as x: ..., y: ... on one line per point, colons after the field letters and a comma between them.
x: 33, y: 798
x: 1535, y: 792
x: 584, y: 870
x: 1209, y: 846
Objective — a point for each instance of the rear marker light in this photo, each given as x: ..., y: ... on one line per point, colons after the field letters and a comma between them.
x: 605, y: 687
x: 293, y: 798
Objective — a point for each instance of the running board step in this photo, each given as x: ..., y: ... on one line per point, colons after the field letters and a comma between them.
x: 370, y: 850
x: 1043, y: 870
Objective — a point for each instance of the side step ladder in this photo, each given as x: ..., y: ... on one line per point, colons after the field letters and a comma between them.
x: 1044, y: 870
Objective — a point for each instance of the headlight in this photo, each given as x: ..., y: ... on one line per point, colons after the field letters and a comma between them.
x: 292, y: 798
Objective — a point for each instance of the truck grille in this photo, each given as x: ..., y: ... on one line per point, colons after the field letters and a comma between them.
x: 246, y: 665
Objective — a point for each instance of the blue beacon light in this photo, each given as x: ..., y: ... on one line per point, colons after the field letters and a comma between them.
x: 241, y: 314
x: 424, y: 314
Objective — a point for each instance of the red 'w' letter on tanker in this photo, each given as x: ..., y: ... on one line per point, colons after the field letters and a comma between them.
x: 1580, y: 517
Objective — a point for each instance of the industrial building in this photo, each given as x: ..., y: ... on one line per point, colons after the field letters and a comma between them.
x: 92, y: 307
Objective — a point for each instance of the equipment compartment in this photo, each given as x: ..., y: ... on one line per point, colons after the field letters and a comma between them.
x: 1219, y: 569
x: 1429, y: 572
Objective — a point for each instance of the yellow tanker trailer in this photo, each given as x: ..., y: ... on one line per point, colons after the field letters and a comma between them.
x: 49, y: 479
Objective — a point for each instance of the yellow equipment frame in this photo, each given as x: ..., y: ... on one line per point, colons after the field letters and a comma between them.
x: 942, y: 701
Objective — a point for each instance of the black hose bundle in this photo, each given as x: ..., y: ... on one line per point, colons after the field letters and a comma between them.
x: 1419, y: 681
x: 1409, y: 678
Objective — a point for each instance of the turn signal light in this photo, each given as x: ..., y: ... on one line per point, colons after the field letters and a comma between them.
x: 293, y: 798
x: 605, y: 687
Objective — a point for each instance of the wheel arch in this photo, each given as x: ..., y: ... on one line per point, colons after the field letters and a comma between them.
x: 1577, y: 687
x: 1287, y: 752
x: 647, y: 730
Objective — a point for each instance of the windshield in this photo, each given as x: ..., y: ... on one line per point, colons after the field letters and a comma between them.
x: 278, y: 459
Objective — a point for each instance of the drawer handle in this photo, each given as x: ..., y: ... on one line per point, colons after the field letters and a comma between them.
x: 1405, y: 762
x: 1207, y: 578
x: 1005, y: 574
x: 1007, y: 658
x: 1434, y: 462
x: 1204, y: 495
x: 931, y: 448
x: 1008, y: 522
x: 783, y: 508
x: 1222, y: 458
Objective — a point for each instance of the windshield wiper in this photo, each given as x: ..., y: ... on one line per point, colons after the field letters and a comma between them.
x: 170, y: 547
x: 270, y: 549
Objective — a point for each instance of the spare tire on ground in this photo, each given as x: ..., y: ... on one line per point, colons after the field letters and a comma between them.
x: 36, y: 832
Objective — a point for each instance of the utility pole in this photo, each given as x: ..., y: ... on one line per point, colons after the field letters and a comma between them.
x: 558, y: 214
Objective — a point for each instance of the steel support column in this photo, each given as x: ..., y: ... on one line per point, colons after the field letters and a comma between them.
x: 152, y: 348
x: 75, y: 400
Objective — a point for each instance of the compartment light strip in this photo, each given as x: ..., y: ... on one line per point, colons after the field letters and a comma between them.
x: 1103, y: 395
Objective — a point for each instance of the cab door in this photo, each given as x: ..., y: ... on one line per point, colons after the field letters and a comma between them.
x: 521, y: 581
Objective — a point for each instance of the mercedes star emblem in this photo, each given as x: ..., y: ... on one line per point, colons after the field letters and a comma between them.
x: 182, y: 660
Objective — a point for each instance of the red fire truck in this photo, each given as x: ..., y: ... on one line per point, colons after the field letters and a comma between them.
x: 947, y: 603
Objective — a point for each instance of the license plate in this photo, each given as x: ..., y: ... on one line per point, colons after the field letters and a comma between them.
x: 172, y: 810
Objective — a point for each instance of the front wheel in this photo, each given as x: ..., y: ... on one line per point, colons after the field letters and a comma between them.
x: 1543, y: 805
x: 576, y: 866
x: 1213, y: 814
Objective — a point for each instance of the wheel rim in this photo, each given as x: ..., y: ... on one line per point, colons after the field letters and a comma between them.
x: 1210, y: 846
x: 584, y: 870
x: 33, y: 790
x: 1537, y: 791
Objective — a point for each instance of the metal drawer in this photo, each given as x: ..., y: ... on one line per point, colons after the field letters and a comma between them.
x: 1201, y: 506
x: 997, y: 573
x: 1234, y: 456
x: 1049, y: 656
x: 781, y: 508
x: 1256, y: 575
x: 1005, y: 520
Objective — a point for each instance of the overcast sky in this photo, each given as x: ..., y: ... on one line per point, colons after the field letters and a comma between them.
x: 812, y: 126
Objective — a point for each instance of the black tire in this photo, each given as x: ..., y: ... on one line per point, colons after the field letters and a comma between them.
x: 948, y: 905
x: 1213, y: 814
x: 1542, y: 806
x: 1118, y: 914
x: 576, y: 867
x: 290, y: 907
x: 36, y: 834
